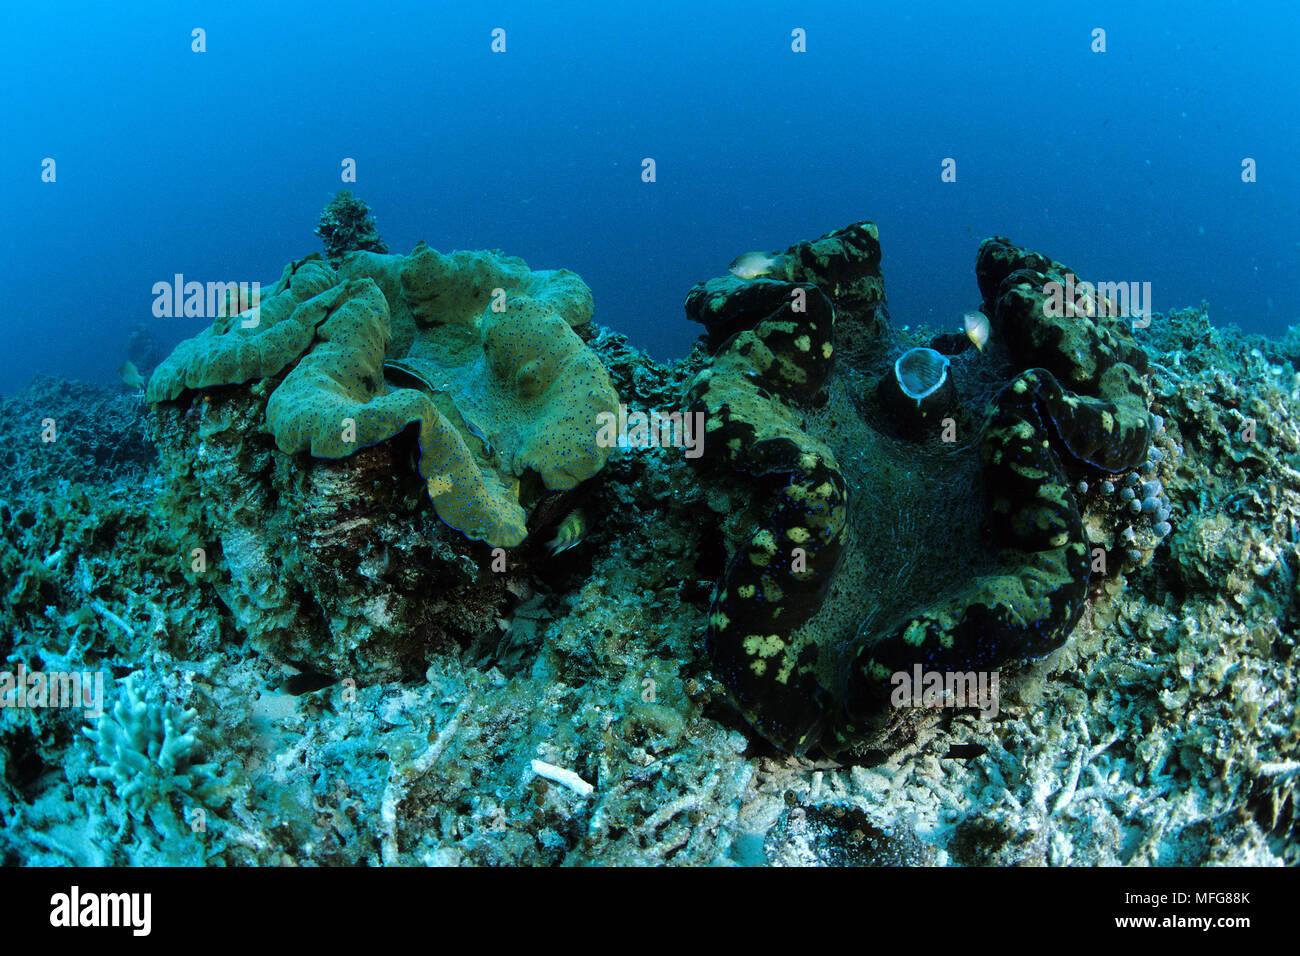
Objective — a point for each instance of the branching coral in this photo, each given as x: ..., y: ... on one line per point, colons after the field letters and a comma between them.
x: 347, y: 226
x: 149, y: 753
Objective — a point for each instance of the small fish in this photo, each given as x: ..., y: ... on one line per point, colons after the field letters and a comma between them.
x: 751, y: 265
x: 977, y: 328
x: 570, y: 532
x: 130, y: 375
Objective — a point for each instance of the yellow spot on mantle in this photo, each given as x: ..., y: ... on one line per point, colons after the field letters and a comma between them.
x: 1027, y: 471
x: 915, y: 633
x: 760, y: 645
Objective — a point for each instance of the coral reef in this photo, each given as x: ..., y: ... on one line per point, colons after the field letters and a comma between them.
x: 61, y: 432
x: 361, y: 689
x: 347, y: 226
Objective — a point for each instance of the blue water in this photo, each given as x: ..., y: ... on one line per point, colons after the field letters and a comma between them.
x: 1124, y: 164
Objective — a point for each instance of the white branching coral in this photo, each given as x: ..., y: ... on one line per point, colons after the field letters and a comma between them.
x: 148, y: 753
